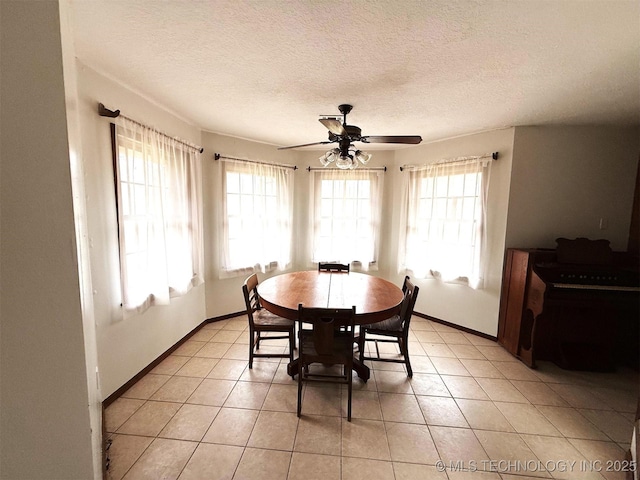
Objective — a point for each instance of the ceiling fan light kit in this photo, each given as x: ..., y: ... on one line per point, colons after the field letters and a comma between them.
x: 329, y: 156
x: 346, y: 155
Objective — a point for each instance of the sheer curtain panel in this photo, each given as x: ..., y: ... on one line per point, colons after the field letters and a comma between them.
x: 345, y: 215
x: 443, y: 230
x: 158, y: 188
x: 257, y: 217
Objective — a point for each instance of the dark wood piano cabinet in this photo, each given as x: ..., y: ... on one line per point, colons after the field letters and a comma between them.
x: 582, y: 317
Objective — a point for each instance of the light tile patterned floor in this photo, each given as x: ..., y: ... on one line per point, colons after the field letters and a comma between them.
x: 470, y: 408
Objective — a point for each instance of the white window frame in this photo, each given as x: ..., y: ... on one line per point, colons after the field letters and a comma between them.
x: 443, y: 232
x: 159, y: 210
x: 345, y: 218
x: 256, y: 227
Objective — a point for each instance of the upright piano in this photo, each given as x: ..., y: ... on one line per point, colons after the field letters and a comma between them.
x: 577, y: 305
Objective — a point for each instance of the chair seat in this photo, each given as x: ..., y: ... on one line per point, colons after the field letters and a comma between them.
x: 393, y: 324
x: 264, y: 318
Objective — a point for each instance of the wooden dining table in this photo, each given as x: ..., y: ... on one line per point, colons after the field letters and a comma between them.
x: 375, y: 299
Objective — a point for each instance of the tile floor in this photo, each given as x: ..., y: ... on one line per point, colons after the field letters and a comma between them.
x: 471, y: 411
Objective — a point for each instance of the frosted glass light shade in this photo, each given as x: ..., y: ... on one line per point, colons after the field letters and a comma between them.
x: 344, y: 162
x: 363, y: 157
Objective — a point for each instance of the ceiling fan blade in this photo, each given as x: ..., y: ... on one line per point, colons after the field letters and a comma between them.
x: 409, y: 139
x: 333, y: 125
x: 305, y: 145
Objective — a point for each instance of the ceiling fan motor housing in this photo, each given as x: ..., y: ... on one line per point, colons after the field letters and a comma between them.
x: 353, y: 132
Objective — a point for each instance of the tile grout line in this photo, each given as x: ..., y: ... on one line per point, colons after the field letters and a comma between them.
x: 578, y: 381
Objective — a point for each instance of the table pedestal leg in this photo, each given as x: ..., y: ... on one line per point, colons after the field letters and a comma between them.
x: 361, y: 369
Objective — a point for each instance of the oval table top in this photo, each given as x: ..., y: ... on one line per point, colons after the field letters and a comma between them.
x: 375, y: 299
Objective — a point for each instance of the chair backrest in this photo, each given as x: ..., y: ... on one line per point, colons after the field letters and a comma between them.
x: 251, y: 298
x: 333, y: 267
x: 410, y: 296
x: 327, y: 324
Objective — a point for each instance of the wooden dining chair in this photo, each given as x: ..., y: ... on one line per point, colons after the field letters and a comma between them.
x: 394, y: 330
x: 262, y: 321
x: 333, y: 267
x: 329, y: 341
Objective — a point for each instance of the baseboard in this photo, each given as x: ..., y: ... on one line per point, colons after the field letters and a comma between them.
x: 115, y: 395
x: 225, y: 317
x: 457, y: 327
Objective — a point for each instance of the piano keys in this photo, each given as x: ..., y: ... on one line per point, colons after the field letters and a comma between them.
x: 582, y: 316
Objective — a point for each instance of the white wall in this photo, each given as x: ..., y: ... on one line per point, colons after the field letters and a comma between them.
x: 565, y: 179
x: 461, y: 305
x: 126, y: 343
x: 44, y: 415
x: 82, y: 237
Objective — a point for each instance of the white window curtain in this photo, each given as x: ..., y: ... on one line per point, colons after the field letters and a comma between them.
x: 443, y: 231
x: 257, y: 217
x: 345, y: 213
x: 159, y: 194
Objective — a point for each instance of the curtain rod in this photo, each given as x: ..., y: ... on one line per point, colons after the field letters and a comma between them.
x: 493, y: 155
x: 217, y: 156
x: 105, y: 112
x: 370, y: 169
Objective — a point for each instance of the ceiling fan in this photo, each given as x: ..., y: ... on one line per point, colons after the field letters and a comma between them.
x: 346, y: 155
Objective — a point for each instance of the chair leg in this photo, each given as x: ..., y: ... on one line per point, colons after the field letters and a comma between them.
x: 350, y: 390
x: 361, y: 341
x: 299, y: 387
x: 292, y: 344
x: 409, y: 371
x: 294, y: 336
x: 258, y: 341
x: 404, y: 348
x: 251, y: 345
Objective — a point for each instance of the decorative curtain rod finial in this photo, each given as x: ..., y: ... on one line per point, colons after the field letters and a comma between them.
x: 105, y: 112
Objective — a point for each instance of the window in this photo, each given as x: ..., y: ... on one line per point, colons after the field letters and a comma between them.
x: 159, y: 215
x: 445, y: 221
x: 346, y: 216
x: 257, y: 217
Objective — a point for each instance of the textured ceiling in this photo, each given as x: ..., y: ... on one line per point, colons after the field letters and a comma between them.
x: 265, y: 69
